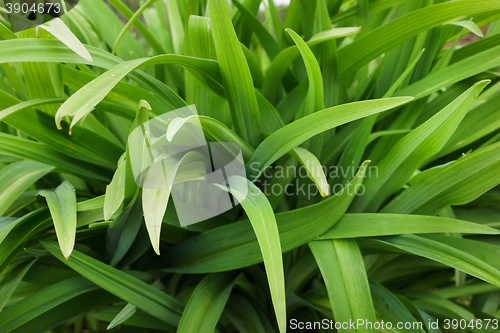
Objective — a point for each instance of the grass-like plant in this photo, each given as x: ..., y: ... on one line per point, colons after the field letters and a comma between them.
x: 371, y: 139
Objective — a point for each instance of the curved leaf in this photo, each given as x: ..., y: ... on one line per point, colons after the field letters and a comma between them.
x: 369, y: 225
x: 299, y: 131
x: 62, y: 206
x: 261, y: 216
x: 235, y: 245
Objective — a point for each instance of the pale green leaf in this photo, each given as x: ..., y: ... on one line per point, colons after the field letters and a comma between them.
x: 62, y: 206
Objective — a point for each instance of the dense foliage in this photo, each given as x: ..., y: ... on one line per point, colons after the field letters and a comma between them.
x: 386, y: 115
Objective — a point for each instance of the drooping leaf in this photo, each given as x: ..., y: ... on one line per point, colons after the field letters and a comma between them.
x: 261, y: 216
x: 313, y: 167
x: 58, y: 29
x: 62, y: 206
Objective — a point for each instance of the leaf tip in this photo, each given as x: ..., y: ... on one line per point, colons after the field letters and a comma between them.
x: 88, y: 57
x: 406, y: 99
x: 58, y: 121
x: 67, y: 255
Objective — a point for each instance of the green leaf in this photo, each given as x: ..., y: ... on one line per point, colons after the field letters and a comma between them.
x: 266, y: 39
x: 327, y: 56
x: 155, y: 201
x: 135, y: 148
x: 478, y: 123
x: 390, y: 308
x: 200, y: 37
x: 147, y: 34
x: 91, y: 204
x: 407, y: 155
x: 11, y: 145
x: 481, y: 250
x: 19, y: 235
x: 206, y: 304
x: 261, y: 216
x: 473, y: 65
x: 139, y: 319
x: 130, y: 22
x: 123, y: 285
x: 62, y: 206
x: 443, y: 307
x: 469, y: 25
x: 17, y: 178
x: 83, y: 145
x: 444, y: 254
x: 286, y: 57
x: 176, y: 26
x: 83, y: 102
x: 215, y: 130
x: 455, y: 184
x: 386, y: 37
x: 46, y: 50
x: 471, y: 289
x: 127, y: 312
x: 235, y: 245
x: 157, y: 187
x: 342, y: 267
x: 115, y: 191
x: 58, y: 29
x: 314, y: 100
x: 69, y: 309
x: 299, y: 131
x: 235, y: 74
x: 243, y: 315
x: 6, y: 225
x: 11, y: 280
x: 123, y: 231
x: 329, y: 264
x: 39, y: 303
x: 369, y: 225
x: 6, y: 33
x: 313, y: 167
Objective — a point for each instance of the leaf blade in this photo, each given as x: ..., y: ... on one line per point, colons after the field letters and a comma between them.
x: 62, y: 206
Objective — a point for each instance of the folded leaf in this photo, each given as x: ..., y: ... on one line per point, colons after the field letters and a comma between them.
x: 62, y: 206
